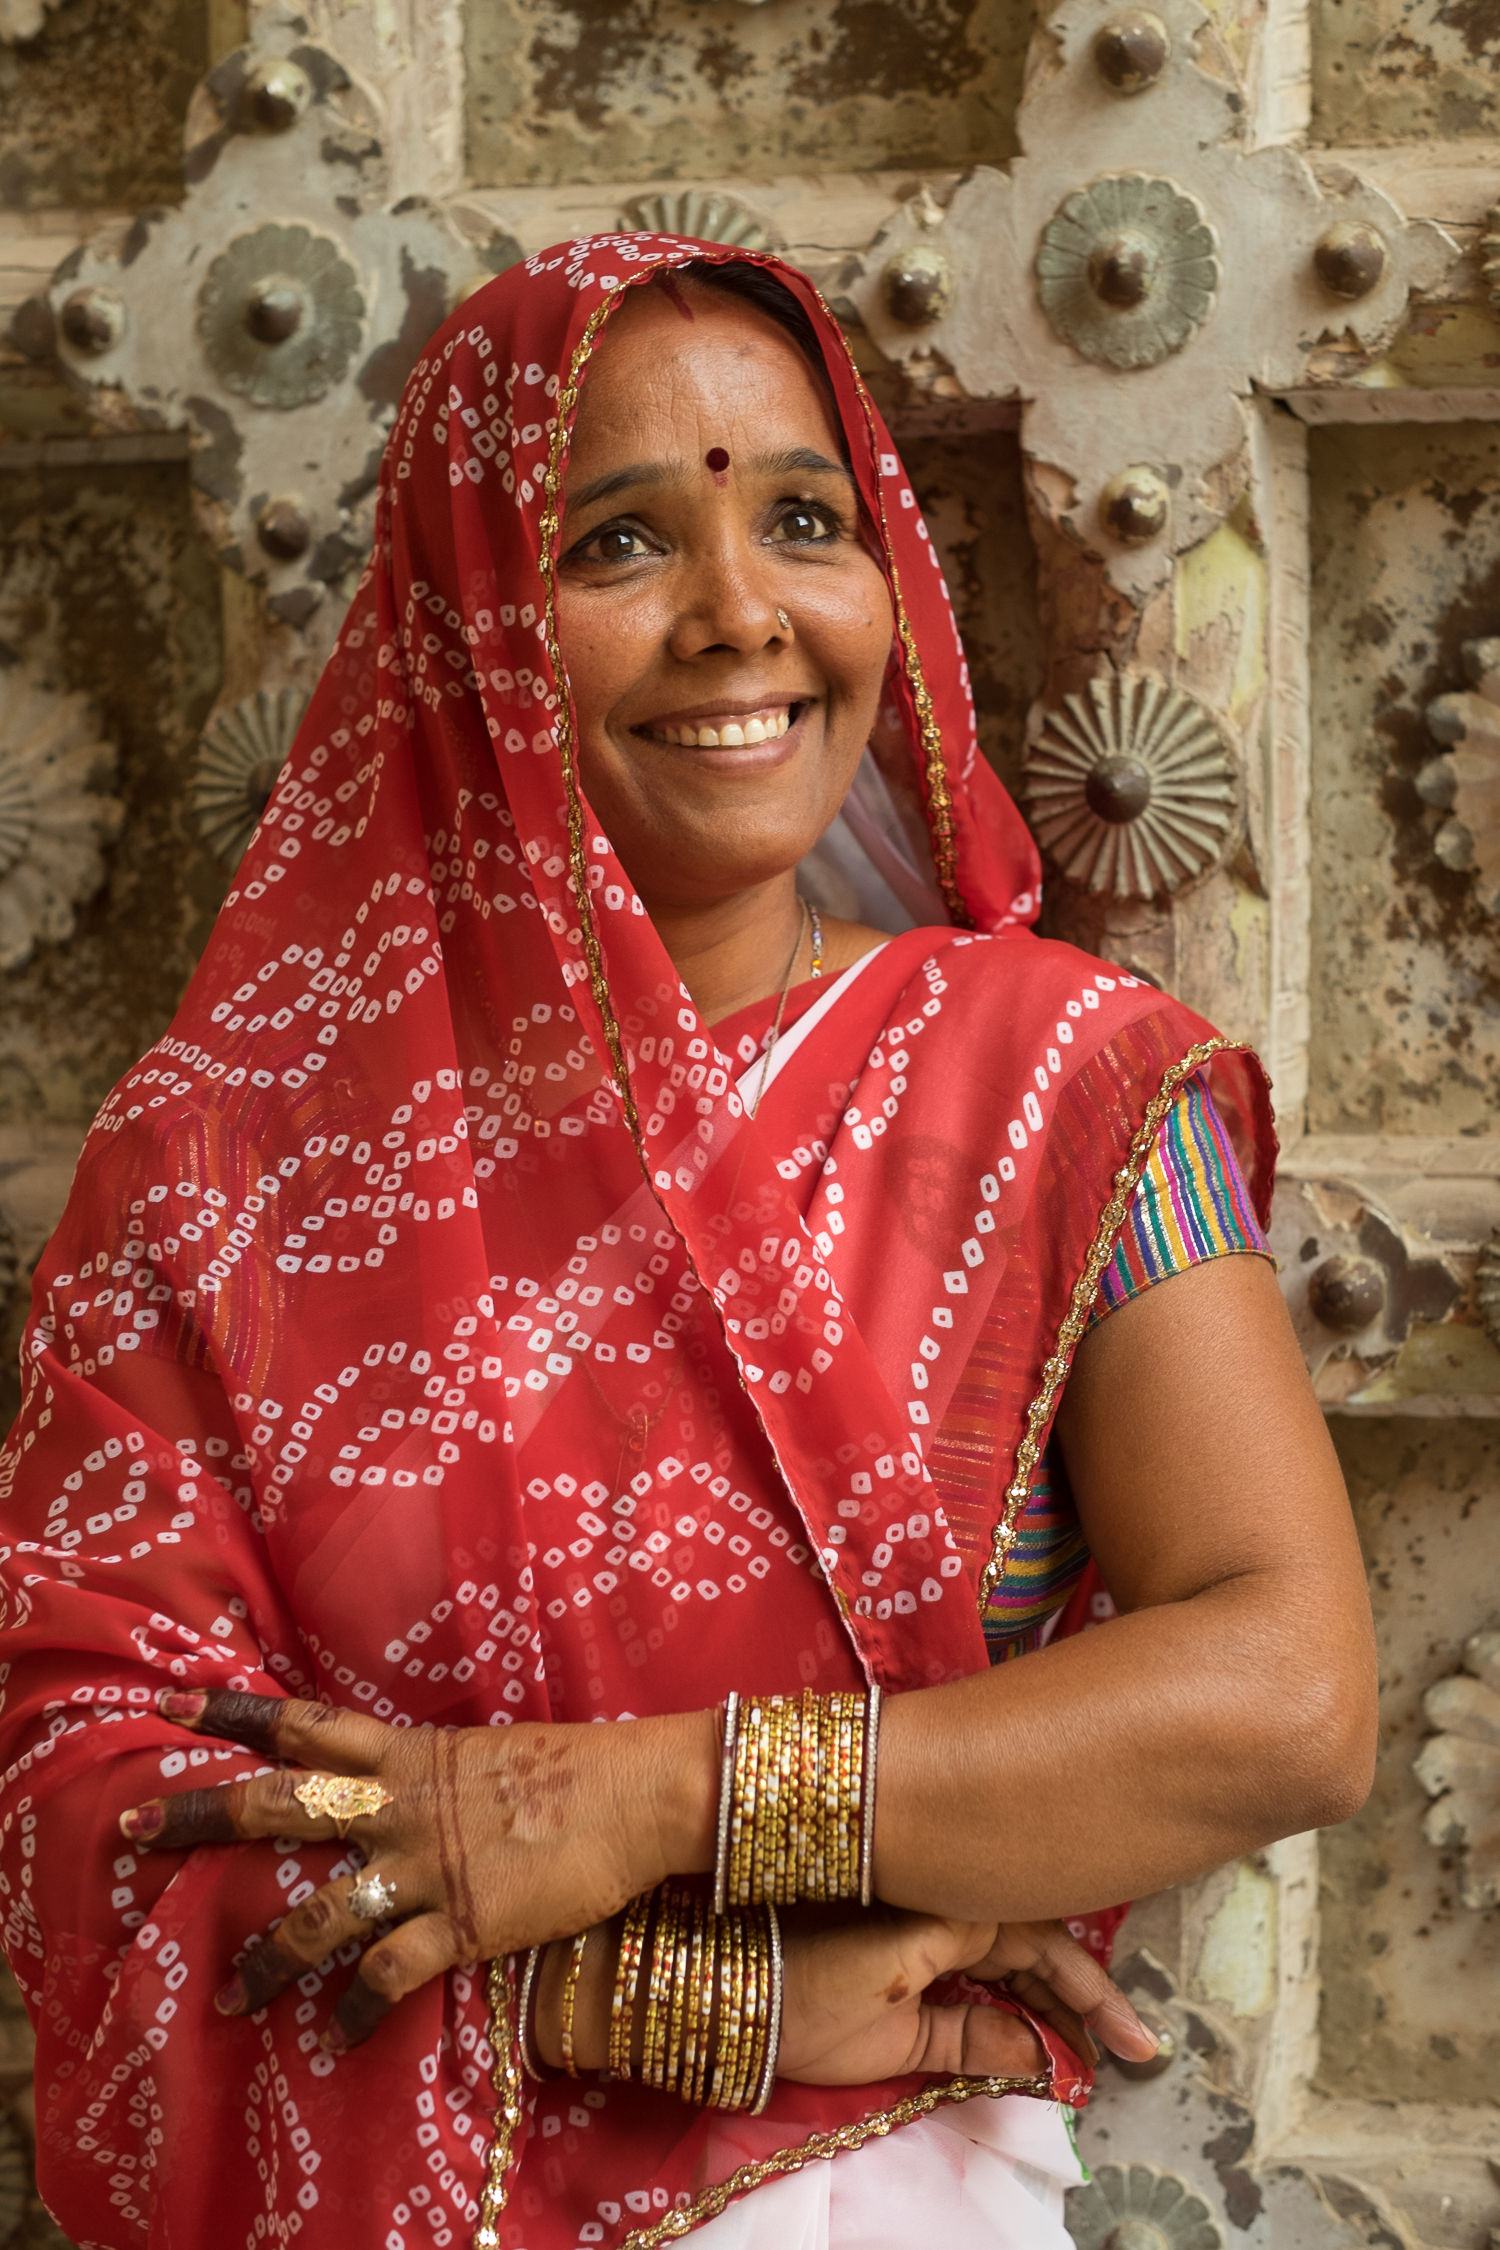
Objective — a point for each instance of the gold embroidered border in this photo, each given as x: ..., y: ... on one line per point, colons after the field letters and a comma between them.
x: 551, y: 524
x: 507, y: 2084
x: 822, y: 2147
x: 1055, y: 1369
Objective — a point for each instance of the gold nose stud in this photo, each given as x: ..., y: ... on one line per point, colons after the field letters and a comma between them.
x: 783, y: 621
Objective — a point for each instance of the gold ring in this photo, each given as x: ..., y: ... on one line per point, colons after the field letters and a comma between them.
x: 341, y: 1797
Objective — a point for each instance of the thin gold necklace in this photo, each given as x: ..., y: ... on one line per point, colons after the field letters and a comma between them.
x: 803, y: 921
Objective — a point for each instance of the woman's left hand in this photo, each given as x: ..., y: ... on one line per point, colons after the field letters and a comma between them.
x: 493, y: 1839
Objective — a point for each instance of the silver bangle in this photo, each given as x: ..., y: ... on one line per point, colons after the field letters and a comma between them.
x: 867, y: 1810
x: 529, y: 2063
x: 726, y: 1794
x: 773, y: 2035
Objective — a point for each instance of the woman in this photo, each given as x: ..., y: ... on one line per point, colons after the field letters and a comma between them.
x: 550, y: 1273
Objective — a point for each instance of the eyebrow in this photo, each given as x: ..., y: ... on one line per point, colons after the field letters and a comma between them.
x: 807, y: 458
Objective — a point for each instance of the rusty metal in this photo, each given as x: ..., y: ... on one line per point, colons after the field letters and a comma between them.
x: 919, y: 285
x: 1131, y: 50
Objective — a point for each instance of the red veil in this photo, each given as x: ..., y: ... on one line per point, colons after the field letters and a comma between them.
x: 432, y: 1331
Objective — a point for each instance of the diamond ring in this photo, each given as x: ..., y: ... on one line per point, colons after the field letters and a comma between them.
x: 372, y: 1898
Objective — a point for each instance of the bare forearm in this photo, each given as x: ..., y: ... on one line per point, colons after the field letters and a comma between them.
x: 1116, y: 1763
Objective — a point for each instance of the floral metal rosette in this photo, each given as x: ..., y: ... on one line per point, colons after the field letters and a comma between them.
x: 1132, y: 789
x: 1127, y: 270
x: 1137, y: 2207
x: 54, y: 817
x: 239, y: 763
x: 324, y: 306
x: 703, y: 215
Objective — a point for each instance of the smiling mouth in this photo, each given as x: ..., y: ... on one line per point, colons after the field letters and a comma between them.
x: 768, y: 725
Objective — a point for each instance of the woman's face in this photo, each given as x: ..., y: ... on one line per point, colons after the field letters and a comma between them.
x: 705, y: 492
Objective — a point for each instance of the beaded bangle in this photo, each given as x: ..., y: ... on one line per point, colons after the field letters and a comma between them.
x: 627, y: 1984
x: 571, y: 1974
x: 712, y: 1998
x: 796, y: 1808
x: 867, y: 1811
x: 529, y: 2063
x: 653, y: 2059
x: 726, y: 1798
x: 773, y: 2023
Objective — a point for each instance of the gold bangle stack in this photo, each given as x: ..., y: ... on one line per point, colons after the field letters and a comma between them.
x: 711, y: 2022
x: 797, y: 1799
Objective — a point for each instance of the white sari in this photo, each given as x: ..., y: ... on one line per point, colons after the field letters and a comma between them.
x: 987, y: 2174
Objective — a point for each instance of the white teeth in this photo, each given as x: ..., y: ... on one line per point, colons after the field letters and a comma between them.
x: 732, y: 736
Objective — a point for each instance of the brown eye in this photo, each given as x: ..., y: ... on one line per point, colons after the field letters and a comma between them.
x: 804, y: 523
x: 615, y: 543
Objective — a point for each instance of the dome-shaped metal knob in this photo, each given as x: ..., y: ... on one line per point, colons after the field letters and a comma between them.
x: 1131, y: 50
x: 1136, y: 506
x: 1123, y: 269
x: 276, y: 94
x: 274, y: 310
x: 283, y: 530
x: 1346, y: 1294
x: 93, y: 320
x: 1118, y: 790
x: 1137, y: 2234
x: 1350, y: 260
x: 918, y: 284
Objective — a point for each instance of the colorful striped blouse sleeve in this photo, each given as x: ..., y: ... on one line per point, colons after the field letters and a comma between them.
x: 1192, y: 1204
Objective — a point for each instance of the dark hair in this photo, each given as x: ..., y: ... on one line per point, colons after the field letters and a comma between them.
x: 769, y: 294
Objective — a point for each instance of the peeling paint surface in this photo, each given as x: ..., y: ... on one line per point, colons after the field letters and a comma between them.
x: 1391, y: 70
x: 970, y: 493
x: 1404, y: 1963
x: 1237, y: 1963
x: 1406, y: 969
x: 665, y: 89
x: 93, y: 109
x: 103, y: 583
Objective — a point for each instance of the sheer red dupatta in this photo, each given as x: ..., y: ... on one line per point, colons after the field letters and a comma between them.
x: 430, y: 1329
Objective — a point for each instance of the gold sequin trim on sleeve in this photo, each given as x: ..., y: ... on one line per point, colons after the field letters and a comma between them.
x: 1075, y: 1320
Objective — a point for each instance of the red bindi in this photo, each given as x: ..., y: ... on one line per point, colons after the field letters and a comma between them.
x: 717, y: 459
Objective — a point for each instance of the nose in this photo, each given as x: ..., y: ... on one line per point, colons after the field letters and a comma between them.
x: 730, y: 602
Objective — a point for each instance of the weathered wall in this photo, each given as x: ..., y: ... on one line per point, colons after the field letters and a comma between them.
x: 103, y: 587
x: 970, y: 493
x: 1406, y: 983
x: 1409, y: 1974
x: 93, y: 109
x: 663, y: 89
x: 1394, y: 70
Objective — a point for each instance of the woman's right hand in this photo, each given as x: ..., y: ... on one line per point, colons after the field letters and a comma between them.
x: 853, y: 2010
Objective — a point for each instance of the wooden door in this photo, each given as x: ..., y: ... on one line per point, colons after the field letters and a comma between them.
x: 1188, y: 321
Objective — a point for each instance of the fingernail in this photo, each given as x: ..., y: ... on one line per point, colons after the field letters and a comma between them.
x: 142, y: 1822
x: 186, y: 1705
x: 231, y: 2001
x: 334, y: 2041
